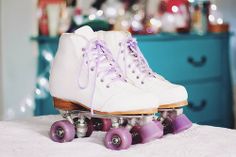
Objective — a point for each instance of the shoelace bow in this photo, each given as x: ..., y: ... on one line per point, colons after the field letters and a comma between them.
x: 130, y: 47
x: 97, y: 58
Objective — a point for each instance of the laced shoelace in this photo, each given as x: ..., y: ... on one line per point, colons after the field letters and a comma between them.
x: 98, y: 59
x: 130, y: 47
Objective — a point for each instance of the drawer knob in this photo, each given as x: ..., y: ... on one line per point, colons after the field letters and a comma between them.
x: 199, y: 63
x: 199, y: 107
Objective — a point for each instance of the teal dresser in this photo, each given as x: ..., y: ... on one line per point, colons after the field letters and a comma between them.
x: 199, y: 62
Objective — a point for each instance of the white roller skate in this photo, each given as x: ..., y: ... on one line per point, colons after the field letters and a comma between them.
x: 172, y: 97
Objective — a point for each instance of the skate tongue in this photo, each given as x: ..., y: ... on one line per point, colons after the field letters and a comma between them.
x: 86, y: 31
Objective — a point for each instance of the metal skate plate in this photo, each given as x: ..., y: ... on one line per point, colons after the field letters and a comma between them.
x: 90, y: 114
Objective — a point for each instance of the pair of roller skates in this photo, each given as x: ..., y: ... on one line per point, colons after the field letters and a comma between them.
x: 101, y: 81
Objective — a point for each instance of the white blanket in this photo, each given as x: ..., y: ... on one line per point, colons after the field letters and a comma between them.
x: 29, y: 138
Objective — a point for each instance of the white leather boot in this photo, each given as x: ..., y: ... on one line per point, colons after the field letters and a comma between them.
x: 126, y: 52
x: 85, y: 74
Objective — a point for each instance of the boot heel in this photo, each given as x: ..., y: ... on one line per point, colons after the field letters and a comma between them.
x: 65, y: 105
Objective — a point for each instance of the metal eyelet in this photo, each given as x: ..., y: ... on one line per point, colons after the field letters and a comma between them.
x: 133, y: 71
x: 107, y: 86
x: 129, y: 66
x: 119, y: 43
x: 83, y: 49
x: 142, y: 82
x: 91, y: 69
x: 137, y: 77
x: 101, y: 80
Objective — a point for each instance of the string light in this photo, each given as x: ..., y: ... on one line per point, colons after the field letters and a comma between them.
x: 219, y: 21
x: 175, y: 9
x: 215, y: 16
x: 155, y: 22
x: 125, y: 24
x: 110, y: 12
x: 43, y: 82
x: 41, y: 93
x: 29, y: 103
x: 22, y: 108
x: 136, y: 25
x: 37, y: 91
x: 92, y: 17
x: 211, y: 18
x: 47, y: 55
x: 213, y: 7
x: 99, y: 13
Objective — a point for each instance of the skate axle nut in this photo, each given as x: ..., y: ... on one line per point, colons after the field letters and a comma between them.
x: 116, y: 140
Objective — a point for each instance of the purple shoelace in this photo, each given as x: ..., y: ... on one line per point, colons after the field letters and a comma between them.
x: 130, y: 47
x: 98, y: 59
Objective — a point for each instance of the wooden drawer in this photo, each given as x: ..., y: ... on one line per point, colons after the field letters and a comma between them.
x: 204, y: 102
x: 183, y: 60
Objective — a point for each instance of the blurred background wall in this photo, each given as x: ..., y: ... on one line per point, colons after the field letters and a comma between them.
x: 1, y: 101
x: 18, y: 55
x: 228, y: 9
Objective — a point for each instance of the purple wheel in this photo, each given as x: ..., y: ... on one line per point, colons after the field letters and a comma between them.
x: 158, y: 123
x: 181, y: 123
x: 90, y: 127
x: 136, y: 136
x: 101, y: 124
x: 150, y: 131
x: 106, y: 124
x: 118, y: 138
x: 62, y: 131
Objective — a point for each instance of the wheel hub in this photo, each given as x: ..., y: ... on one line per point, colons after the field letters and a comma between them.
x: 60, y: 132
x: 116, y: 140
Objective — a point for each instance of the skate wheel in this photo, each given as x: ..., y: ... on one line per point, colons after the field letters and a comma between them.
x: 89, y: 127
x: 181, y: 123
x: 106, y: 124
x: 118, y: 138
x: 62, y: 131
x: 101, y: 124
x: 150, y: 131
x: 136, y: 137
x: 158, y: 123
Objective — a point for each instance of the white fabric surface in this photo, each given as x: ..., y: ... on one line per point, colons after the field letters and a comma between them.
x: 30, y: 138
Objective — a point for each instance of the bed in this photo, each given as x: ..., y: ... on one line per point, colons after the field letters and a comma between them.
x: 29, y: 137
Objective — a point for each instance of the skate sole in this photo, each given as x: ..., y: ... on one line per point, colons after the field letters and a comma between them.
x: 174, y: 105
x: 69, y: 106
